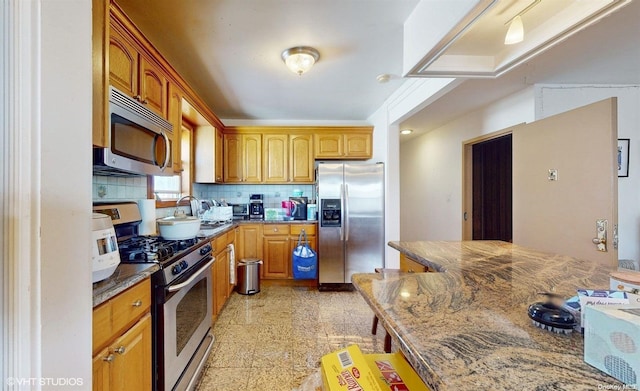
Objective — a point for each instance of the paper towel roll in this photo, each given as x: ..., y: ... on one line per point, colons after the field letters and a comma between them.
x: 148, y: 213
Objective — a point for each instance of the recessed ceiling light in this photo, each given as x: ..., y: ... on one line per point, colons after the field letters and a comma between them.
x: 383, y: 78
x: 406, y: 131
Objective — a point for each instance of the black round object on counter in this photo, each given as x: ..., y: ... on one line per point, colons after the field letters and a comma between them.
x: 549, y: 316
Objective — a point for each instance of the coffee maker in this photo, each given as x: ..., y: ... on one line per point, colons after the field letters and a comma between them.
x: 256, y: 207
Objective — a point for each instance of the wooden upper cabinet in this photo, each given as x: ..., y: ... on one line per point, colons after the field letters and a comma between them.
x: 153, y: 87
x: 301, y: 162
x: 358, y: 145
x: 337, y: 144
x: 329, y: 146
x: 123, y: 63
x: 175, y: 118
x: 288, y: 158
x: 134, y: 74
x: 276, y: 158
x: 242, y: 158
x: 219, y: 156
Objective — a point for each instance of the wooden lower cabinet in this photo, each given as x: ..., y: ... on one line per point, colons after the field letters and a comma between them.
x: 410, y: 266
x: 277, y: 257
x: 249, y: 241
x: 122, y: 341
x: 279, y: 242
x: 222, y: 286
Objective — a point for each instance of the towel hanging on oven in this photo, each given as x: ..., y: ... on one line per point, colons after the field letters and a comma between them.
x: 305, y: 260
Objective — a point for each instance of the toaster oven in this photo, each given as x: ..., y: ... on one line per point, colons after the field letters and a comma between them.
x: 240, y: 211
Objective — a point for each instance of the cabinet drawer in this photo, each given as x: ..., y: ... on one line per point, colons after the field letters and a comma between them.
x: 102, y: 330
x: 128, y: 306
x: 310, y: 229
x: 275, y: 229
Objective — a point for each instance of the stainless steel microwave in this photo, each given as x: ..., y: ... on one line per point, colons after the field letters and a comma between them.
x: 138, y: 140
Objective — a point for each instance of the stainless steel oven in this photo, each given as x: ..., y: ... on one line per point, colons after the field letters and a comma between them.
x: 186, y: 326
x: 183, y: 329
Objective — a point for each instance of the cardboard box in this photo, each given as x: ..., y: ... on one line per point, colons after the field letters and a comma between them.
x: 394, y: 373
x: 612, y: 341
x: 350, y: 370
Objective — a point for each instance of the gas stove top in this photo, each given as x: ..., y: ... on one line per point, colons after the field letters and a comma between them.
x: 153, y: 249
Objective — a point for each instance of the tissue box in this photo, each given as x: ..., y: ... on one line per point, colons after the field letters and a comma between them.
x: 590, y: 297
x: 612, y: 341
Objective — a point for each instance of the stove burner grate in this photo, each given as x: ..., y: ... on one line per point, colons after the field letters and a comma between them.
x: 152, y: 249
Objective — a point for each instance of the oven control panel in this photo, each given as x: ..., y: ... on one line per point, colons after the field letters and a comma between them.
x: 185, y: 262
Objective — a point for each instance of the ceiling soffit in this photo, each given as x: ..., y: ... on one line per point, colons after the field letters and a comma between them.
x: 475, y: 47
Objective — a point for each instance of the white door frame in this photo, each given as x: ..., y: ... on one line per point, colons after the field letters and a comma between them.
x: 20, y: 199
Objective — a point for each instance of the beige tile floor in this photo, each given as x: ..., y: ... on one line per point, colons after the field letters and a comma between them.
x: 274, y: 340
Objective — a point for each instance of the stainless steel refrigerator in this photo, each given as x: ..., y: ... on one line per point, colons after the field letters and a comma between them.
x: 351, y: 220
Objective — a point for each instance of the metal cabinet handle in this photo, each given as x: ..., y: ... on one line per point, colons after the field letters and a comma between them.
x: 137, y: 97
x: 137, y: 303
x: 109, y: 358
x: 120, y: 350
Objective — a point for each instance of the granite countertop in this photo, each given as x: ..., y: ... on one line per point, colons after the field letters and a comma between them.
x: 125, y: 276
x: 465, y: 327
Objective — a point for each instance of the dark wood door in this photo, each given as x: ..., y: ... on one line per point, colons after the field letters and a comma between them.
x: 492, y: 190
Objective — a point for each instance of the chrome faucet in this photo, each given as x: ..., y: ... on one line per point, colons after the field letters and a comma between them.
x: 195, y: 205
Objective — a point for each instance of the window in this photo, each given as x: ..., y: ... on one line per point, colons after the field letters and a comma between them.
x: 171, y: 188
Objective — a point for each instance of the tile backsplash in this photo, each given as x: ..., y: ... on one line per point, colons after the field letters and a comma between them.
x: 111, y: 188
x: 237, y: 194
x: 108, y: 188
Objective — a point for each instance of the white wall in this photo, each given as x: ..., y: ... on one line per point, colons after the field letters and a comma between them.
x: 386, y: 150
x: 65, y: 267
x: 431, y: 168
x: 554, y: 99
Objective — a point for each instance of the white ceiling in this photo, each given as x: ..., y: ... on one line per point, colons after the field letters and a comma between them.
x: 229, y: 51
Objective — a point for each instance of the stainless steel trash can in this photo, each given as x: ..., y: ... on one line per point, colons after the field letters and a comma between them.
x: 249, y: 276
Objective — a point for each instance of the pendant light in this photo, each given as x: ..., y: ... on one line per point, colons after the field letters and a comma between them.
x: 515, y: 32
x: 300, y: 59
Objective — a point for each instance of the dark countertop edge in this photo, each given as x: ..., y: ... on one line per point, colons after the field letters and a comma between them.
x: 124, y: 277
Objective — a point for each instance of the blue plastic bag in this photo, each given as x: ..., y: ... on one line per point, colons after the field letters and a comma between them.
x: 305, y: 260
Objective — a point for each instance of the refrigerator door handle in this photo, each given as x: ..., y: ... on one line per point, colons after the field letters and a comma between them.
x: 342, y: 214
x: 346, y: 211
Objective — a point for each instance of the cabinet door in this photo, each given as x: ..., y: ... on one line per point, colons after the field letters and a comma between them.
x: 218, y: 156
x: 252, y: 151
x: 101, y: 371
x: 277, y: 257
x: 301, y: 165
x: 175, y: 118
x: 249, y: 242
x: 221, y: 280
x: 131, y: 366
x: 153, y: 87
x: 328, y: 146
x: 233, y: 158
x: 123, y: 63
x: 357, y: 145
x: 276, y: 158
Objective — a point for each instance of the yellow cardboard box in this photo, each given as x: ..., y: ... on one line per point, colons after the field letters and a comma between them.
x: 394, y: 373
x: 350, y: 370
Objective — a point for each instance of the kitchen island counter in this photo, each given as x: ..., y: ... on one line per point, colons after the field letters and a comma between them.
x: 465, y: 327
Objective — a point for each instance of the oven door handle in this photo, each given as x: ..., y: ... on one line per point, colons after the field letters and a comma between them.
x: 174, y: 288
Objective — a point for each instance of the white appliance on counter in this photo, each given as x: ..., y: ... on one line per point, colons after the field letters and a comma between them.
x: 105, y: 256
x: 351, y: 214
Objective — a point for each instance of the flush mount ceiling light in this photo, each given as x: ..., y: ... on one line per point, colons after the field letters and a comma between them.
x: 406, y: 131
x: 300, y: 59
x: 515, y: 33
